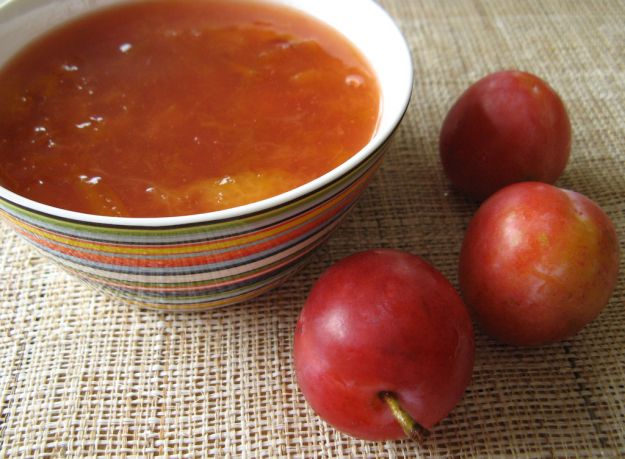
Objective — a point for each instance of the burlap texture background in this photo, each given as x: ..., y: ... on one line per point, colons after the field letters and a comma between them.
x: 84, y: 376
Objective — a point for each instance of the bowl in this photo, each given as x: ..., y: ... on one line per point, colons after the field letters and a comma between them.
x: 219, y: 258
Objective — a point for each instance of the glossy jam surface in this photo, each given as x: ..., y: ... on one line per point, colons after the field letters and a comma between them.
x: 173, y: 108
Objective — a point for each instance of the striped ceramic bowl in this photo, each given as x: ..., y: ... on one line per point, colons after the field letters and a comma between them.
x: 218, y: 258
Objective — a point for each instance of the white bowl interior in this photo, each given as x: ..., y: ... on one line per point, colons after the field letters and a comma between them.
x: 363, y: 22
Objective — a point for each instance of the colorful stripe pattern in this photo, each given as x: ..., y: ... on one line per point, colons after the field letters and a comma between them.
x: 195, y: 266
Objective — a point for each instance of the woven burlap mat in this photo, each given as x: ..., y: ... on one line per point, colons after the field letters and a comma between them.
x: 84, y: 376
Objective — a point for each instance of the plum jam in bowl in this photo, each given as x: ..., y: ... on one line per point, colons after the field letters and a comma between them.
x: 189, y: 155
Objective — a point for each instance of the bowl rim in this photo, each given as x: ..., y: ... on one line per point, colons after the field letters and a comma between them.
x: 377, y: 141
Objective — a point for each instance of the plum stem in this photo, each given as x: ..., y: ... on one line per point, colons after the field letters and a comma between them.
x: 410, y: 427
